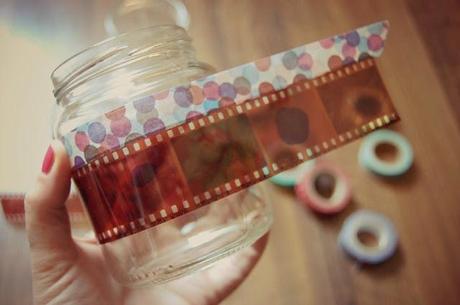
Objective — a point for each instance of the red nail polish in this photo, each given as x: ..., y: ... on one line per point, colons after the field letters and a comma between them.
x: 48, y: 160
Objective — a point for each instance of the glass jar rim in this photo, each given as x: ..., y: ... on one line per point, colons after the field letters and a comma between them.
x: 89, y: 57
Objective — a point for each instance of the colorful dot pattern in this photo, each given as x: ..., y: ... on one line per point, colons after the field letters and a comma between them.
x: 174, y: 106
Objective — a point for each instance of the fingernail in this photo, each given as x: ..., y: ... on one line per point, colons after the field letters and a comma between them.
x: 48, y: 160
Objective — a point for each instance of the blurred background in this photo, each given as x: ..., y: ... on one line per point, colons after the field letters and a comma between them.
x: 302, y: 265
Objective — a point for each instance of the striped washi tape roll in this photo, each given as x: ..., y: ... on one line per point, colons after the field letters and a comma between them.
x: 13, y: 208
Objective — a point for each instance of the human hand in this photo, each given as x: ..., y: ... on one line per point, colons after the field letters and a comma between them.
x: 68, y: 271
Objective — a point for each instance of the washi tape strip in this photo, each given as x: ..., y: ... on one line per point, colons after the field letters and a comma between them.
x: 13, y: 208
x: 162, y: 176
x: 154, y: 113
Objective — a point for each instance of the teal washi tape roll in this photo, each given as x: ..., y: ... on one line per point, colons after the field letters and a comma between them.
x: 369, y: 159
x: 376, y: 224
x: 290, y: 177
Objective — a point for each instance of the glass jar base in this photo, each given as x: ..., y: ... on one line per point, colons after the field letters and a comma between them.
x: 163, y: 275
x: 191, y: 242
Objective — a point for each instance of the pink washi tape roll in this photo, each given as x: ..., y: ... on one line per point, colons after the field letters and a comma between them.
x: 14, y: 210
x: 325, y: 189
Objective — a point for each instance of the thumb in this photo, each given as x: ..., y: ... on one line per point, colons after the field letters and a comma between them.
x: 47, y: 220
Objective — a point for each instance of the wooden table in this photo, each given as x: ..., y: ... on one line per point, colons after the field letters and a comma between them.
x: 302, y: 264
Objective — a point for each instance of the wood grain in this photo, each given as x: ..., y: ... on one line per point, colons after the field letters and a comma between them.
x: 438, y: 23
x: 302, y: 264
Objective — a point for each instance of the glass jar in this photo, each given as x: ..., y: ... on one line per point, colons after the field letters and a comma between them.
x: 108, y: 75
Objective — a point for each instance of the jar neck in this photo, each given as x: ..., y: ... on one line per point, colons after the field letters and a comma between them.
x: 108, y: 74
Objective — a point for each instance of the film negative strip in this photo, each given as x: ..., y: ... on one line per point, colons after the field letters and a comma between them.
x: 13, y: 208
x: 163, y: 175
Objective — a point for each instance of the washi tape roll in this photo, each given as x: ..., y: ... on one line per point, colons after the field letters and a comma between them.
x: 325, y: 189
x: 13, y: 208
x: 372, y: 224
x: 369, y: 159
x: 291, y: 177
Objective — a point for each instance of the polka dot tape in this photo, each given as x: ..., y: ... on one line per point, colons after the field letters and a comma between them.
x: 156, y: 112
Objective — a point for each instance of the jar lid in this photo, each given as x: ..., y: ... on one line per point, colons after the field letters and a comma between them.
x: 131, y: 15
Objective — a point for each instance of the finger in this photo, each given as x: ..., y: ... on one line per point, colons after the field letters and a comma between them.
x: 47, y: 220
